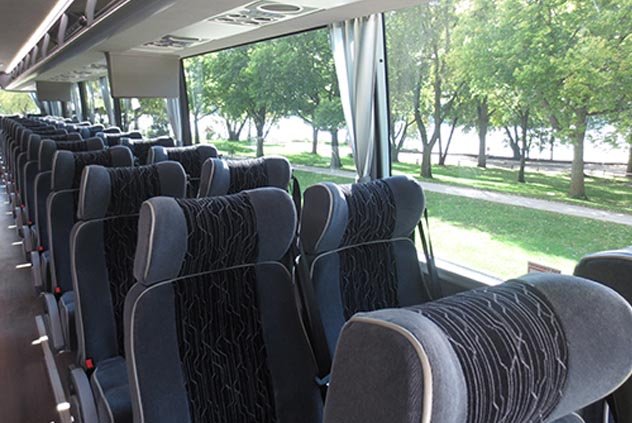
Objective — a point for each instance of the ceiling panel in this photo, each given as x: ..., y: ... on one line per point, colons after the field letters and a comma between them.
x: 18, y: 20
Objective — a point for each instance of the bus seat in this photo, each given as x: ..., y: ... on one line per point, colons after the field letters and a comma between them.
x: 61, y: 212
x: 91, y: 131
x: 191, y: 158
x: 140, y: 148
x: 528, y: 350
x: 212, y: 328
x: 614, y: 270
x: 357, y: 253
x: 112, y: 139
x: 221, y: 177
x: 103, y: 244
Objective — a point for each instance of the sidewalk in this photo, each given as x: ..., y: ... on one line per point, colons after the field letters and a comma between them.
x: 496, y: 197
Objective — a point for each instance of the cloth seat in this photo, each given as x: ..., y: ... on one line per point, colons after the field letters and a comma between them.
x: 191, y: 158
x: 102, y: 246
x: 529, y: 350
x: 212, y: 328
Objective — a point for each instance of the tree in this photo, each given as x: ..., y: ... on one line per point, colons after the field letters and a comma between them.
x: 201, y: 105
x: 330, y: 117
x: 576, y: 61
x: 16, y: 102
x: 434, y: 92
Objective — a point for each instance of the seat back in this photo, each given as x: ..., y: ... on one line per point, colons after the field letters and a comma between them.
x: 222, y: 177
x: 212, y: 327
x: 62, y: 202
x: 191, y: 159
x: 102, y: 245
x: 140, y: 148
x: 356, y: 244
x: 112, y: 139
x: 529, y: 350
x: 614, y: 270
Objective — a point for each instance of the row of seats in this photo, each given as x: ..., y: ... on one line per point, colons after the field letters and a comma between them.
x: 200, y: 309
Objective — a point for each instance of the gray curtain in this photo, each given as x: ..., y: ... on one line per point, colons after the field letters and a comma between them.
x: 38, y: 103
x: 76, y: 101
x: 356, y: 48
x: 175, y: 119
x: 107, y: 99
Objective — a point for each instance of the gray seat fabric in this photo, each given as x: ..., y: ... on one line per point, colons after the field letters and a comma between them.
x: 221, y: 177
x: 212, y: 329
x: 102, y: 244
x: 529, y: 350
x: 191, y: 158
x: 140, y: 148
x: 356, y: 243
x: 614, y: 270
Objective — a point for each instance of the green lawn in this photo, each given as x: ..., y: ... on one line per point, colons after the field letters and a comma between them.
x: 499, y: 240
x: 614, y: 194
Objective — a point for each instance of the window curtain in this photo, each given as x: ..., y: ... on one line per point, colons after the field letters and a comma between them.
x: 38, y: 103
x: 175, y: 119
x: 107, y: 99
x: 356, y: 50
x: 76, y: 100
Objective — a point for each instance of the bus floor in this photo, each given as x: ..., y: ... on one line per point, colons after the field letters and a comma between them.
x: 25, y: 392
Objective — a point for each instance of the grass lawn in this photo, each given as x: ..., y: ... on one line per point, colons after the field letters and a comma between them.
x: 614, y: 194
x: 499, y: 240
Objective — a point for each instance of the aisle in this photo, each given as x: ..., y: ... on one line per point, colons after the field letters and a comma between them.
x: 25, y: 393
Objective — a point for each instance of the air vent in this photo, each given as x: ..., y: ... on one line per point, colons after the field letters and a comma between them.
x: 173, y: 42
x: 262, y: 13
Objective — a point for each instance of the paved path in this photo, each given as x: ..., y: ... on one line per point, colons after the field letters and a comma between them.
x: 496, y: 197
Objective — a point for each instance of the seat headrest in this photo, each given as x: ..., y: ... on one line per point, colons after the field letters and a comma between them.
x: 191, y: 158
x: 33, y: 148
x: 47, y: 152
x: 141, y: 148
x: 611, y: 268
x: 186, y: 237
x: 221, y: 177
x: 336, y: 216
x: 68, y: 166
x: 106, y: 192
x: 533, y: 349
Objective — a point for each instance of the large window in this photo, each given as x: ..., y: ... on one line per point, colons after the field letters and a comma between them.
x: 277, y: 97
x: 17, y: 102
x: 147, y: 115
x: 494, y: 99
x: 99, y: 102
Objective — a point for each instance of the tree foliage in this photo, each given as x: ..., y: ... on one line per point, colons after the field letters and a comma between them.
x: 16, y: 102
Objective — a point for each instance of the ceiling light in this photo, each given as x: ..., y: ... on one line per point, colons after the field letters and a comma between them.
x: 50, y: 19
x: 280, y: 8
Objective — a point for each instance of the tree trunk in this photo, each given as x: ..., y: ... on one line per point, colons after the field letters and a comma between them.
x: 426, y: 162
x: 259, y: 126
x: 629, y: 169
x: 578, y: 188
x: 444, y: 156
x: 196, y: 124
x: 314, y: 140
x: 524, y: 123
x: 335, y: 151
x: 482, y: 110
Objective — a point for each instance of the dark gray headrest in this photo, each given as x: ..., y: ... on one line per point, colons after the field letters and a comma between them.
x: 611, y: 268
x: 68, y: 166
x: 191, y: 158
x: 336, y: 216
x: 221, y: 177
x: 533, y: 349
x: 121, y: 191
x: 185, y: 237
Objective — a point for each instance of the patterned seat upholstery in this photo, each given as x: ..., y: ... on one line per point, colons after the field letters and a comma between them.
x: 528, y: 350
x: 102, y: 245
x: 112, y: 139
x: 191, y: 159
x: 140, y: 148
x: 614, y: 270
x: 221, y: 177
x: 212, y: 329
x: 61, y: 215
x: 31, y: 171
x: 356, y: 244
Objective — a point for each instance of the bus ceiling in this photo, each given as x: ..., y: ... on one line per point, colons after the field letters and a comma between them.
x: 66, y: 43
